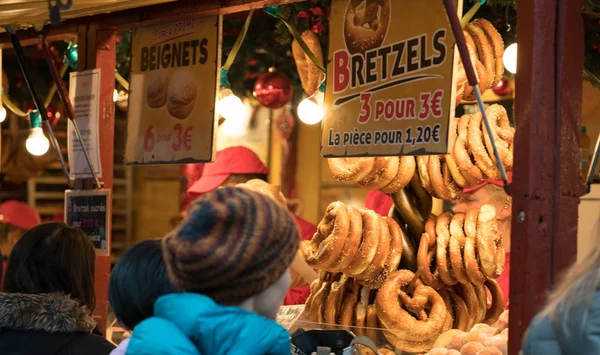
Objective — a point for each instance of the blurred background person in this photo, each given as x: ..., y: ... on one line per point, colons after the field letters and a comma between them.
x: 48, y: 296
x: 136, y: 282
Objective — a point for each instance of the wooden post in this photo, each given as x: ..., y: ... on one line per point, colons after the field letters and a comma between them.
x: 546, y: 185
x: 97, y: 50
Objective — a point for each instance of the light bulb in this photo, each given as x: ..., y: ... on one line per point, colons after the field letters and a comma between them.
x: 2, y: 114
x: 230, y: 106
x: 115, y: 95
x: 310, y: 110
x: 37, y: 144
x: 510, y: 58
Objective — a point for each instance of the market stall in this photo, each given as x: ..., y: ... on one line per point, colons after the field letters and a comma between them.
x: 403, y: 115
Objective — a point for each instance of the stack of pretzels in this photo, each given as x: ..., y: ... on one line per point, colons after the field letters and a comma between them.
x: 486, y: 49
x: 464, y: 248
x: 359, y: 243
x: 471, y: 157
x: 338, y: 299
x: 388, y: 174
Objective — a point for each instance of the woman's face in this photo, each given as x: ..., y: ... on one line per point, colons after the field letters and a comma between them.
x: 473, y: 199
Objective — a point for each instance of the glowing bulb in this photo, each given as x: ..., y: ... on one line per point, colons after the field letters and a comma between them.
x: 115, y: 95
x: 310, y: 110
x: 37, y: 144
x: 510, y: 58
x: 2, y: 114
x: 230, y: 106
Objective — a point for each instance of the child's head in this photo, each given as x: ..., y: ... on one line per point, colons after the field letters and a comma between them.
x: 235, y: 246
x: 138, y: 279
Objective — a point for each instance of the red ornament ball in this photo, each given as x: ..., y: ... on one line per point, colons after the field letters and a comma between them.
x: 502, y: 88
x: 273, y: 90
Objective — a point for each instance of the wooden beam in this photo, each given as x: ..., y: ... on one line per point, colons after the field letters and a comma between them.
x: 145, y: 16
x: 546, y: 185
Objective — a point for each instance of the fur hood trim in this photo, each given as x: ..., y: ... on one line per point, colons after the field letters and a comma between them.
x: 50, y: 312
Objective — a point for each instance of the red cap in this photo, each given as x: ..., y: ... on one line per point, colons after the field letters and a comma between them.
x: 489, y: 181
x: 18, y: 214
x: 379, y: 202
x: 229, y: 161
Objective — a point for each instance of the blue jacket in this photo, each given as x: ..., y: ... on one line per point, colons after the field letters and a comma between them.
x: 543, y: 338
x: 189, y: 323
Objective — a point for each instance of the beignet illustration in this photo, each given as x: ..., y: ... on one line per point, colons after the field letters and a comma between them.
x: 156, y: 88
x: 182, y: 94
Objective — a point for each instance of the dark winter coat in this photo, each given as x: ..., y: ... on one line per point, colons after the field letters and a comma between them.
x: 48, y: 324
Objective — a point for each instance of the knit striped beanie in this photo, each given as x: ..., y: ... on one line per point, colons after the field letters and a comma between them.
x: 233, y: 245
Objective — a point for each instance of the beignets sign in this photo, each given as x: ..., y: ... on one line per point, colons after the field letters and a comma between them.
x: 173, y: 91
x: 389, y: 78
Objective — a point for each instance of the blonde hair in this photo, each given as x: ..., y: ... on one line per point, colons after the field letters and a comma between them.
x: 577, y: 285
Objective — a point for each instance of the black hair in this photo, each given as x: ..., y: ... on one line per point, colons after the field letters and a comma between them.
x: 242, y: 178
x: 138, y: 279
x: 53, y: 257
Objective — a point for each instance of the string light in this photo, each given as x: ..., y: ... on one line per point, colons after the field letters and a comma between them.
x: 2, y: 114
x: 510, y: 58
x: 115, y: 95
x: 310, y: 110
x: 37, y: 144
x: 230, y: 106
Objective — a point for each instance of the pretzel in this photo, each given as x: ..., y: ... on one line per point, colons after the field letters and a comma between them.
x: 361, y: 311
x: 484, y: 50
x: 470, y: 257
x: 376, y: 267
x: 384, y: 171
x: 489, y: 242
x: 467, y: 293
x: 495, y: 39
x: 481, y: 301
x: 483, y: 80
x: 498, y: 119
x: 482, y: 158
x: 493, y: 314
x: 409, y: 346
x: 395, y: 256
x: 415, y: 317
x: 425, y: 257
x: 454, y: 190
x: 310, y: 76
x: 352, y: 241
x: 423, y: 200
x: 458, y: 178
x: 318, y: 300
x: 457, y: 244
x: 434, y: 168
x: 350, y: 170
x: 360, y: 38
x: 314, y: 287
x: 327, y: 244
x: 472, y: 174
x: 422, y: 164
x: 370, y: 241
x: 372, y: 323
x: 405, y: 172
x: 334, y: 300
x: 461, y: 312
x: 472, y: 49
x: 443, y: 238
x: 348, y: 312
x: 408, y: 211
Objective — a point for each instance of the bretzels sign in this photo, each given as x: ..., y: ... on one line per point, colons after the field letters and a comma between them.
x: 389, y: 78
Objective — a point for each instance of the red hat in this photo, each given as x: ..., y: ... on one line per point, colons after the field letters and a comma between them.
x: 18, y: 214
x: 489, y: 181
x: 229, y: 161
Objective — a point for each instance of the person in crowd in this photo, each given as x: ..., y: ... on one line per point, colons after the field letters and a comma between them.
x: 231, y: 256
x: 488, y: 192
x: 237, y: 165
x: 569, y: 324
x: 48, y: 296
x: 136, y: 282
x: 15, y: 218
